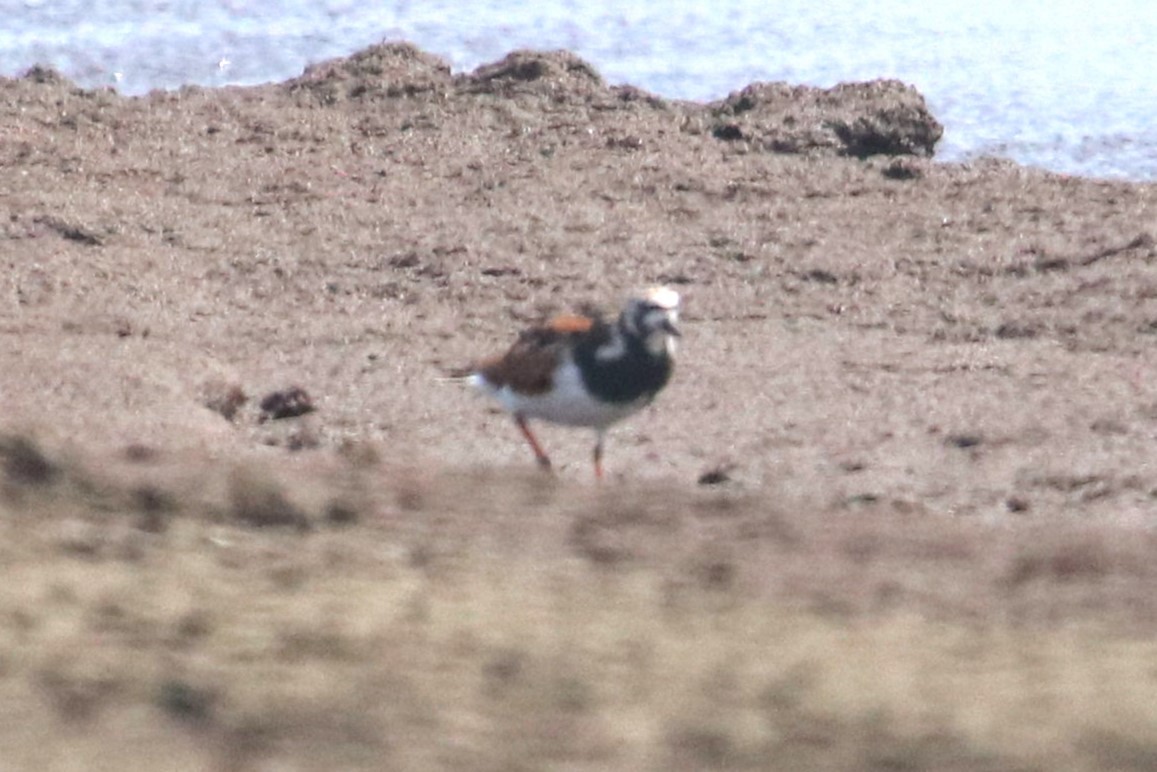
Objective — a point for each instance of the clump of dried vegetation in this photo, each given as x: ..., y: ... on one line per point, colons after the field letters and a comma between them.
x: 213, y: 616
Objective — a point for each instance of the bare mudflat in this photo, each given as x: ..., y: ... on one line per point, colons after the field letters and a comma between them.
x: 895, y: 510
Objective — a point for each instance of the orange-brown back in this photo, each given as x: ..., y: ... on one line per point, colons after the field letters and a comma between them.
x: 528, y: 366
x: 568, y: 324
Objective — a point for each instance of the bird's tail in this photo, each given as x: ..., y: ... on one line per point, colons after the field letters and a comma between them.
x: 457, y: 374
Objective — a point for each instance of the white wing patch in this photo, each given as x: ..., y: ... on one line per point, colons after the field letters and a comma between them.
x: 615, y: 348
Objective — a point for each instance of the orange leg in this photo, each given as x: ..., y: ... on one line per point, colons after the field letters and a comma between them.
x: 539, y: 453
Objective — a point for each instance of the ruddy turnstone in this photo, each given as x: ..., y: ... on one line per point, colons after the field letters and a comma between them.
x: 582, y: 370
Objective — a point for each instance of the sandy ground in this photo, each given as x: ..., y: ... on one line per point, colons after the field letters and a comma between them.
x: 924, y: 394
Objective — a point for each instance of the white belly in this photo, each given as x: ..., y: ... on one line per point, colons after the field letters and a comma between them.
x: 567, y: 403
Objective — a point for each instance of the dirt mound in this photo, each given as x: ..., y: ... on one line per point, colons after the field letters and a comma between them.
x: 882, y: 117
x: 383, y: 71
x: 557, y: 74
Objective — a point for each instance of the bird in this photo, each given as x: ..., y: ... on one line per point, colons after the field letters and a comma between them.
x: 583, y: 370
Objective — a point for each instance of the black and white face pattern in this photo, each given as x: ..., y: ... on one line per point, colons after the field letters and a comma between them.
x: 652, y: 318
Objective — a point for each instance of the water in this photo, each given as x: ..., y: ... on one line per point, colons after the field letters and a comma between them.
x: 1052, y: 83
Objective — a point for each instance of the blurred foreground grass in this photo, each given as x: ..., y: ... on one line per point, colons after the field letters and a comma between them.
x: 340, y: 613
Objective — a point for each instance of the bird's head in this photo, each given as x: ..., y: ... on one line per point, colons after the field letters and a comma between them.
x: 652, y: 315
